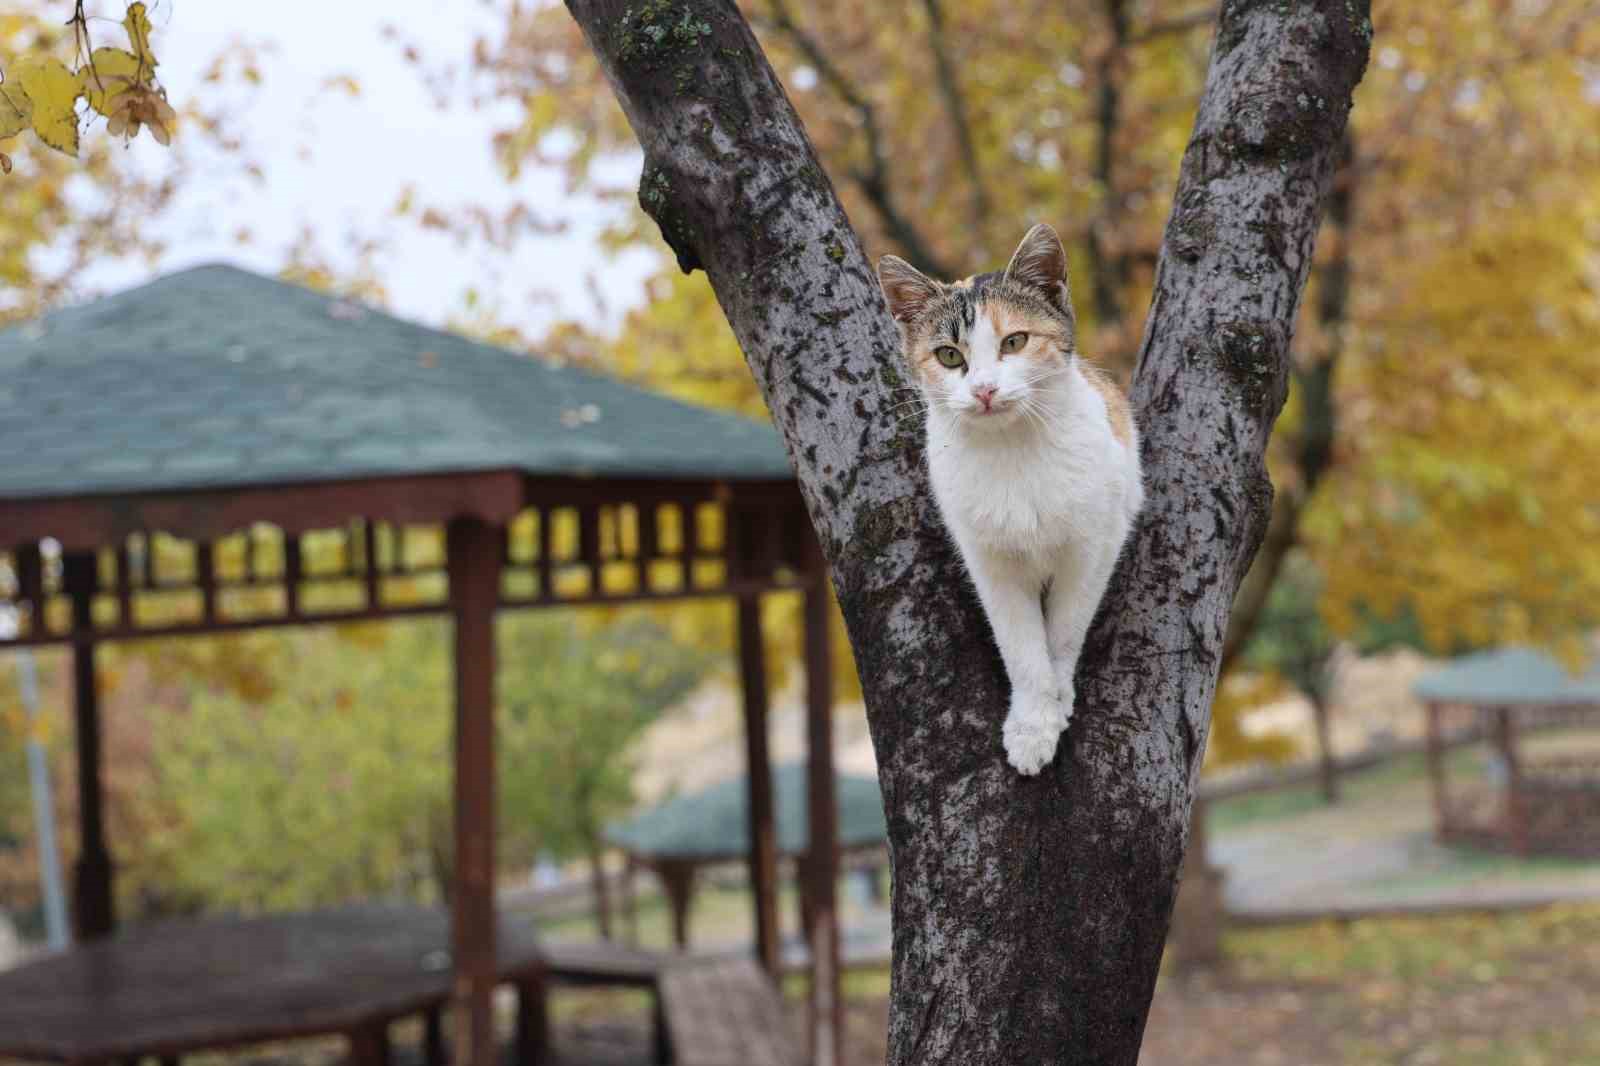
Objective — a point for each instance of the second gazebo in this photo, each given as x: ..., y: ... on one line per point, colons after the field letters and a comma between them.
x: 1544, y: 800
x: 682, y: 835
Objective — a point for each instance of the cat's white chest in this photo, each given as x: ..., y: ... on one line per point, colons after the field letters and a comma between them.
x: 1032, y: 495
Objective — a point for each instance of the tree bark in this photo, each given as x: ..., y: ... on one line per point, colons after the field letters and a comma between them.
x: 1312, y: 449
x: 1029, y: 913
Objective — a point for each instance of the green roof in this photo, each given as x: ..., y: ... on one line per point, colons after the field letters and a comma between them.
x: 217, y: 377
x: 1508, y: 677
x: 712, y: 824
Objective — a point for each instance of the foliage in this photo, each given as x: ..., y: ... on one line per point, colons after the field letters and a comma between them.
x: 14, y: 733
x: 575, y: 702
x: 78, y: 209
x: 336, y: 786
x: 42, y: 93
x: 1292, y: 641
x: 1464, y: 503
x: 1440, y: 455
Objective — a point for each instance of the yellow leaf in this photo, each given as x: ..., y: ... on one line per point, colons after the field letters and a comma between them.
x: 13, y: 113
x: 342, y: 83
x: 137, y: 23
x: 5, y: 163
x: 52, y: 92
x: 108, y: 74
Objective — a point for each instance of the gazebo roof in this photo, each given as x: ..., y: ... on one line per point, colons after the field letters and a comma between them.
x: 1510, y: 677
x: 219, y: 378
x: 713, y: 824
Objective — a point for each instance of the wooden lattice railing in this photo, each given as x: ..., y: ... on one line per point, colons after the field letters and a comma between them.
x: 152, y: 583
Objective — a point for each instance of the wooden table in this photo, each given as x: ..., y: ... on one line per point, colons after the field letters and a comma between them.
x: 177, y: 987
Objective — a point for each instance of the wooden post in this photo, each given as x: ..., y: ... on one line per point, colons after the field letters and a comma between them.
x: 473, y: 559
x: 630, y: 899
x: 1441, y: 803
x: 825, y: 1011
x: 802, y: 897
x: 433, y: 1038
x: 677, y: 881
x: 758, y: 776
x: 1515, y: 814
x: 369, y: 1045
x: 93, y: 907
x: 533, y: 1021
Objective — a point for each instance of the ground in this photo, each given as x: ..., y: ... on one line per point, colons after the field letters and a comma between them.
x: 1508, y: 990
x: 1513, y: 990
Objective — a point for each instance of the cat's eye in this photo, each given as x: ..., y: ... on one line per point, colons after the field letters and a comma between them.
x: 948, y: 356
x: 1013, y: 343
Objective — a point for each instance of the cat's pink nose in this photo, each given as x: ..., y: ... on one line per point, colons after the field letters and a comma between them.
x: 985, y: 395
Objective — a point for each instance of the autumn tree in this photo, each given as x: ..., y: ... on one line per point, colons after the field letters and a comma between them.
x: 1029, y: 914
x: 331, y: 783
x: 939, y: 150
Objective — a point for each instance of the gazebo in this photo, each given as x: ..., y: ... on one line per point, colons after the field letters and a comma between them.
x: 1525, y: 803
x: 678, y: 837
x: 219, y: 451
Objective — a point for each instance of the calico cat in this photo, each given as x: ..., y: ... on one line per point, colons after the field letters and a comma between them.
x: 1034, y: 461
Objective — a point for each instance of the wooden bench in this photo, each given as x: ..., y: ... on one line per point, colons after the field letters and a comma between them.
x: 725, y: 1011
x: 603, y: 965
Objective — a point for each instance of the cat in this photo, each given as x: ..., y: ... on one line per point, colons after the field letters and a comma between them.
x: 1033, y: 458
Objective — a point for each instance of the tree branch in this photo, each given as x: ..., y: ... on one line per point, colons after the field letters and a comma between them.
x: 873, y: 181
x: 1313, y: 445
x: 1110, y: 271
x: 1029, y: 913
x: 956, y: 108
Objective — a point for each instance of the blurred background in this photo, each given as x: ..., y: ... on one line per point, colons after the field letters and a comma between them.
x: 1400, y: 846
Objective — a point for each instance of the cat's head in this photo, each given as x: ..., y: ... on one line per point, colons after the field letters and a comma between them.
x: 982, y: 349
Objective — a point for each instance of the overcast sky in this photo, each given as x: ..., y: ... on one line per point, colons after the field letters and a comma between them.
x: 363, y: 152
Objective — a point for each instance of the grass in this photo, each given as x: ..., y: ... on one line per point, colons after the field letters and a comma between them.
x: 1374, y: 782
x: 1443, y: 951
x: 720, y: 914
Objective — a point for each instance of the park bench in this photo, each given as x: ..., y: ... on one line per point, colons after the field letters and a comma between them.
x: 708, y: 1011
x: 725, y: 1011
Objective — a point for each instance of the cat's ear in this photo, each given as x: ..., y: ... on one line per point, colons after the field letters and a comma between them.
x: 1041, y: 264
x: 908, y: 290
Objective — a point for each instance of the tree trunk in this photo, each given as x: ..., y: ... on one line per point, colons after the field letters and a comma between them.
x: 1327, y: 761
x: 1029, y: 913
x: 602, y: 892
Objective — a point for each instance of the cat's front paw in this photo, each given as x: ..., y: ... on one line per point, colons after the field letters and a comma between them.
x: 1032, y: 728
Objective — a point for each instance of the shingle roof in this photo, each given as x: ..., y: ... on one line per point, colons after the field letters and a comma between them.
x: 713, y: 824
x: 1508, y: 677
x: 217, y: 377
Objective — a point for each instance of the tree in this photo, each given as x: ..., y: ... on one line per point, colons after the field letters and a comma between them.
x: 1292, y: 645
x: 575, y: 702
x: 332, y: 783
x: 1077, y: 111
x: 42, y: 93
x: 1029, y: 914
x: 59, y: 213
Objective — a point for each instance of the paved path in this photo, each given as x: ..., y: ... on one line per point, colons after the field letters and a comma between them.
x: 1377, y: 850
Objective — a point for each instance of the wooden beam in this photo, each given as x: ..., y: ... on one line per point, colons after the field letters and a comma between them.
x: 101, y: 521
x: 763, y: 857
x: 824, y: 1009
x: 93, y: 910
x: 473, y: 560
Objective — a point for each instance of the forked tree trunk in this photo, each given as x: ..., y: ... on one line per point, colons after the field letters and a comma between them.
x: 1029, y: 913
